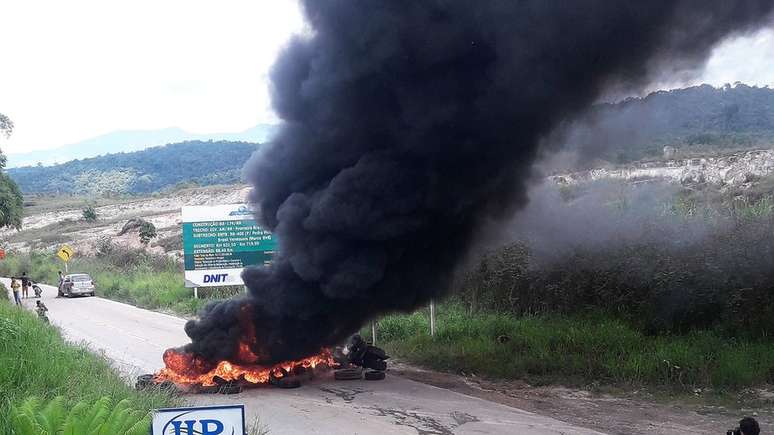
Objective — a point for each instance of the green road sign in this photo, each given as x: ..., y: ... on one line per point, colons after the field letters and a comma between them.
x: 220, y: 241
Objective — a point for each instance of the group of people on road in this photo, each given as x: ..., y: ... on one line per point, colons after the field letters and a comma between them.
x: 24, y: 283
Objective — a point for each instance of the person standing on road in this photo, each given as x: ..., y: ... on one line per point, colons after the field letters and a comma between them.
x: 15, y: 287
x: 61, y: 282
x: 25, y: 285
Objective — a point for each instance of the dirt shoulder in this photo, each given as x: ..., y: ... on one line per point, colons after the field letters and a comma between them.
x: 635, y: 412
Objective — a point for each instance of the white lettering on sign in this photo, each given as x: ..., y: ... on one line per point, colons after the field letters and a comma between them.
x: 204, y: 420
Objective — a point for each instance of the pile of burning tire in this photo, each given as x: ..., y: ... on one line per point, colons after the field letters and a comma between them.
x: 356, y: 361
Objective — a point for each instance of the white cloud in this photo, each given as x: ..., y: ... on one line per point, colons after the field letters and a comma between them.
x: 748, y: 59
x: 78, y: 68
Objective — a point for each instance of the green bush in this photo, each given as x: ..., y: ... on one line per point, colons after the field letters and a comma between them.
x: 147, y: 232
x: 58, y: 416
x: 574, y: 349
x: 134, y: 276
x: 90, y: 213
x: 702, y: 263
x: 36, y: 361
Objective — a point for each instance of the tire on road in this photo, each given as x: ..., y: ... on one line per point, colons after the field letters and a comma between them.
x: 373, y: 375
x: 230, y: 389
x: 289, y: 382
x: 348, y: 374
x: 144, y: 381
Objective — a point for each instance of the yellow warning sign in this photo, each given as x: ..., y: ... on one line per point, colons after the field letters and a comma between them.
x: 65, y: 253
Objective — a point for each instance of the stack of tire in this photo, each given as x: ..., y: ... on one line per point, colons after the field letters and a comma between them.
x: 369, y: 361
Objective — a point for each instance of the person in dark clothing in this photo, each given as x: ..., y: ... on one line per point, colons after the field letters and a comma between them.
x: 748, y: 426
x: 61, y: 283
x: 25, y: 284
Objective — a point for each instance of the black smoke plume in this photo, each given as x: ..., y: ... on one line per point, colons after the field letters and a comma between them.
x: 410, y: 123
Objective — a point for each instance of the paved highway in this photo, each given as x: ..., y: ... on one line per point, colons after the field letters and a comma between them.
x: 135, y: 339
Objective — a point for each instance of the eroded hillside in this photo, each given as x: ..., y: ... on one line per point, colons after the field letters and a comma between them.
x: 47, y: 229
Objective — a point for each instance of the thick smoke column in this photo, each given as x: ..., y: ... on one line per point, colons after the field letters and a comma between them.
x: 407, y: 125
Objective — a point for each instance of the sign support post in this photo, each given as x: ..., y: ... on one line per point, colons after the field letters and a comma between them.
x: 66, y: 254
x: 432, y: 318
x: 196, y: 292
x: 373, y: 333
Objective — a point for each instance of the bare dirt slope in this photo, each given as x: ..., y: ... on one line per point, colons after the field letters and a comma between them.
x: 46, y: 226
x: 740, y: 168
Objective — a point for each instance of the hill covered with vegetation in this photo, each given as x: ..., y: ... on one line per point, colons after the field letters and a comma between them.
x: 699, y: 119
x: 150, y: 170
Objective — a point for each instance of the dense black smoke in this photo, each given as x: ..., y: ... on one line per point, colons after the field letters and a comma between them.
x: 407, y: 125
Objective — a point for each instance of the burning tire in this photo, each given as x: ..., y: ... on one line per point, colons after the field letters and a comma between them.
x: 348, y: 374
x: 281, y: 378
x: 230, y: 388
x: 288, y: 383
x: 373, y: 375
x: 144, y: 381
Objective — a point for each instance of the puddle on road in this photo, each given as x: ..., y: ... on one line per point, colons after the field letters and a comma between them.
x: 346, y: 394
x: 425, y: 424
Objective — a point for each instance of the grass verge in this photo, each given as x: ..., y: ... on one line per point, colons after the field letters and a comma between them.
x: 575, y: 350
x: 131, y: 276
x: 35, y: 361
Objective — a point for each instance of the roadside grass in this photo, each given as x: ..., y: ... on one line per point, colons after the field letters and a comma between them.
x: 131, y: 276
x: 590, y: 349
x: 36, y: 361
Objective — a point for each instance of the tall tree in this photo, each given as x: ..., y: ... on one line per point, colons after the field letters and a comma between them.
x: 6, y: 125
x: 11, y: 202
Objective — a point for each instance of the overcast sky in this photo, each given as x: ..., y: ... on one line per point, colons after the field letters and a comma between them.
x: 74, y: 69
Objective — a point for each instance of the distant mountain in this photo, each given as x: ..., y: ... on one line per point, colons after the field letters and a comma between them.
x: 693, y: 120
x: 132, y: 140
x: 150, y: 170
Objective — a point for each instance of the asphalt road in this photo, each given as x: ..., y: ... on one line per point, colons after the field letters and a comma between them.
x: 135, y: 340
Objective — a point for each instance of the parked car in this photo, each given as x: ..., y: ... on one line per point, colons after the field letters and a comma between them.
x: 76, y: 284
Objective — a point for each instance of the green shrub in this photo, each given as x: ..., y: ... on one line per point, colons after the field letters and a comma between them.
x: 147, y: 232
x: 32, y: 417
x: 689, y: 269
x: 577, y: 349
x: 36, y: 361
x: 90, y: 213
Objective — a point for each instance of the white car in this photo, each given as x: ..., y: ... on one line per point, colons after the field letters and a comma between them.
x: 76, y: 284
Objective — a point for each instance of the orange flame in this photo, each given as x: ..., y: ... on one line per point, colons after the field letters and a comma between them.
x: 187, y: 369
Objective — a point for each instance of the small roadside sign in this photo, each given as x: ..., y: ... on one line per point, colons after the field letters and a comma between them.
x: 2, y: 254
x: 205, y: 420
x: 66, y: 253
